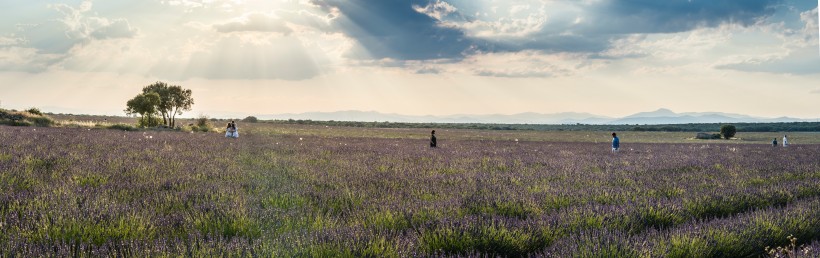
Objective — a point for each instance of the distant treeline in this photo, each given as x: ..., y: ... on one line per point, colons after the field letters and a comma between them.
x: 705, y: 127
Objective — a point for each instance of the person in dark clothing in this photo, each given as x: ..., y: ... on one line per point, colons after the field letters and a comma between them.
x: 616, y: 143
x: 774, y: 142
x: 433, y: 139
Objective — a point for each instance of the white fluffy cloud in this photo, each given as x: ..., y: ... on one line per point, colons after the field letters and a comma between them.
x: 810, y: 27
x: 438, y: 9
x: 506, y: 19
x: 37, y: 47
x: 80, y: 26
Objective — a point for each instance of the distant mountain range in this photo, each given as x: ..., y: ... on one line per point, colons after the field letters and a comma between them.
x: 660, y: 116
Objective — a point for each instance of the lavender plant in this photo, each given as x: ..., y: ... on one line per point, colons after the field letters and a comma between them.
x: 290, y: 191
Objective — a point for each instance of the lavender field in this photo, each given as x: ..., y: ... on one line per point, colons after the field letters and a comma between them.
x: 320, y: 192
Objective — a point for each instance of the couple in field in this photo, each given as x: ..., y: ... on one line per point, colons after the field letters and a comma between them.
x: 231, y: 131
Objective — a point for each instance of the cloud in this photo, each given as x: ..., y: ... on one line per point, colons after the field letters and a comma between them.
x: 191, y: 5
x: 799, y: 53
x: 647, y: 16
x: 526, y: 64
x: 59, y: 36
x: 817, y: 91
x: 797, y: 61
x: 394, y: 29
x: 10, y: 41
x: 82, y: 27
x: 102, y: 28
x: 38, y: 46
x: 810, y: 23
x: 586, y: 26
x: 438, y: 9
x: 523, y: 64
x: 257, y: 22
x: 26, y: 59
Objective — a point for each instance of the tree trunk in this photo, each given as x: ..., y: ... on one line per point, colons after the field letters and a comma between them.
x: 173, y: 118
x: 164, y: 120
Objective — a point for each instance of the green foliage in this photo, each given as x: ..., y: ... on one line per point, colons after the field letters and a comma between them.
x: 35, y: 111
x: 124, y: 127
x: 683, y: 246
x: 660, y: 217
x: 492, y: 240
x: 173, y: 100
x: 41, y: 121
x: 89, y: 180
x: 227, y: 225
x: 149, y: 121
x: 202, y: 124
x: 203, y: 121
x: 145, y: 105
x: 80, y: 230
x: 250, y: 119
x: 708, y: 136
x: 389, y: 221
x: 25, y: 118
x: 728, y: 131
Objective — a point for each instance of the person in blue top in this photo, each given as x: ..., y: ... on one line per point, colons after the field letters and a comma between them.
x: 616, y: 143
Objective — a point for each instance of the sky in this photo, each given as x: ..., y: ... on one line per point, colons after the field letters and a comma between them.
x: 415, y: 57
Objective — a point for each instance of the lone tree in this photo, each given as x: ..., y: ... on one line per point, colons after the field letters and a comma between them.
x: 728, y: 131
x: 145, y: 105
x: 173, y: 100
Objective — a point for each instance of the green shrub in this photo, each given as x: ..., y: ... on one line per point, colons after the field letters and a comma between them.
x: 26, y: 118
x: 250, y: 119
x: 728, y: 131
x: 35, y: 111
x: 124, y: 127
x: 202, y: 124
x: 149, y: 121
x: 41, y: 121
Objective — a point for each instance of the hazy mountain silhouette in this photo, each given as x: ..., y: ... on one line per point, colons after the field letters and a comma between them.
x: 660, y: 116
x: 666, y: 116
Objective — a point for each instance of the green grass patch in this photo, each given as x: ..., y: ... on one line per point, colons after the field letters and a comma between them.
x: 388, y: 221
x: 283, y: 201
x: 684, y: 247
x: 491, y: 240
x: 228, y: 226
x: 78, y: 230
x: 89, y: 180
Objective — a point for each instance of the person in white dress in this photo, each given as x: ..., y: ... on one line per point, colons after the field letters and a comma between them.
x: 785, y: 141
x: 235, y: 131
x: 229, y: 131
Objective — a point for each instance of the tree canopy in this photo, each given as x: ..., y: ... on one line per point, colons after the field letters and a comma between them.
x: 173, y: 100
x: 145, y: 105
x: 728, y: 131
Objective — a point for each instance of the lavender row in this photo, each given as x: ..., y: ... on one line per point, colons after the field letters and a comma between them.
x: 102, y: 192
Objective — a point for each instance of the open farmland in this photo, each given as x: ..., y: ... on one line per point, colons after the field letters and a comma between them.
x: 287, y: 190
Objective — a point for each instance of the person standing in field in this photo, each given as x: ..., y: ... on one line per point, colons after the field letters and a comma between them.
x: 785, y: 141
x: 616, y: 143
x: 774, y: 142
x: 433, y: 139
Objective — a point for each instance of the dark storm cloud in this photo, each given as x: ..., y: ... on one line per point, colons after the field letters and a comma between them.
x: 668, y: 16
x: 393, y: 29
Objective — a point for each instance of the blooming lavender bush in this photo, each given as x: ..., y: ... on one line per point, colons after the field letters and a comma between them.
x: 280, y: 192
